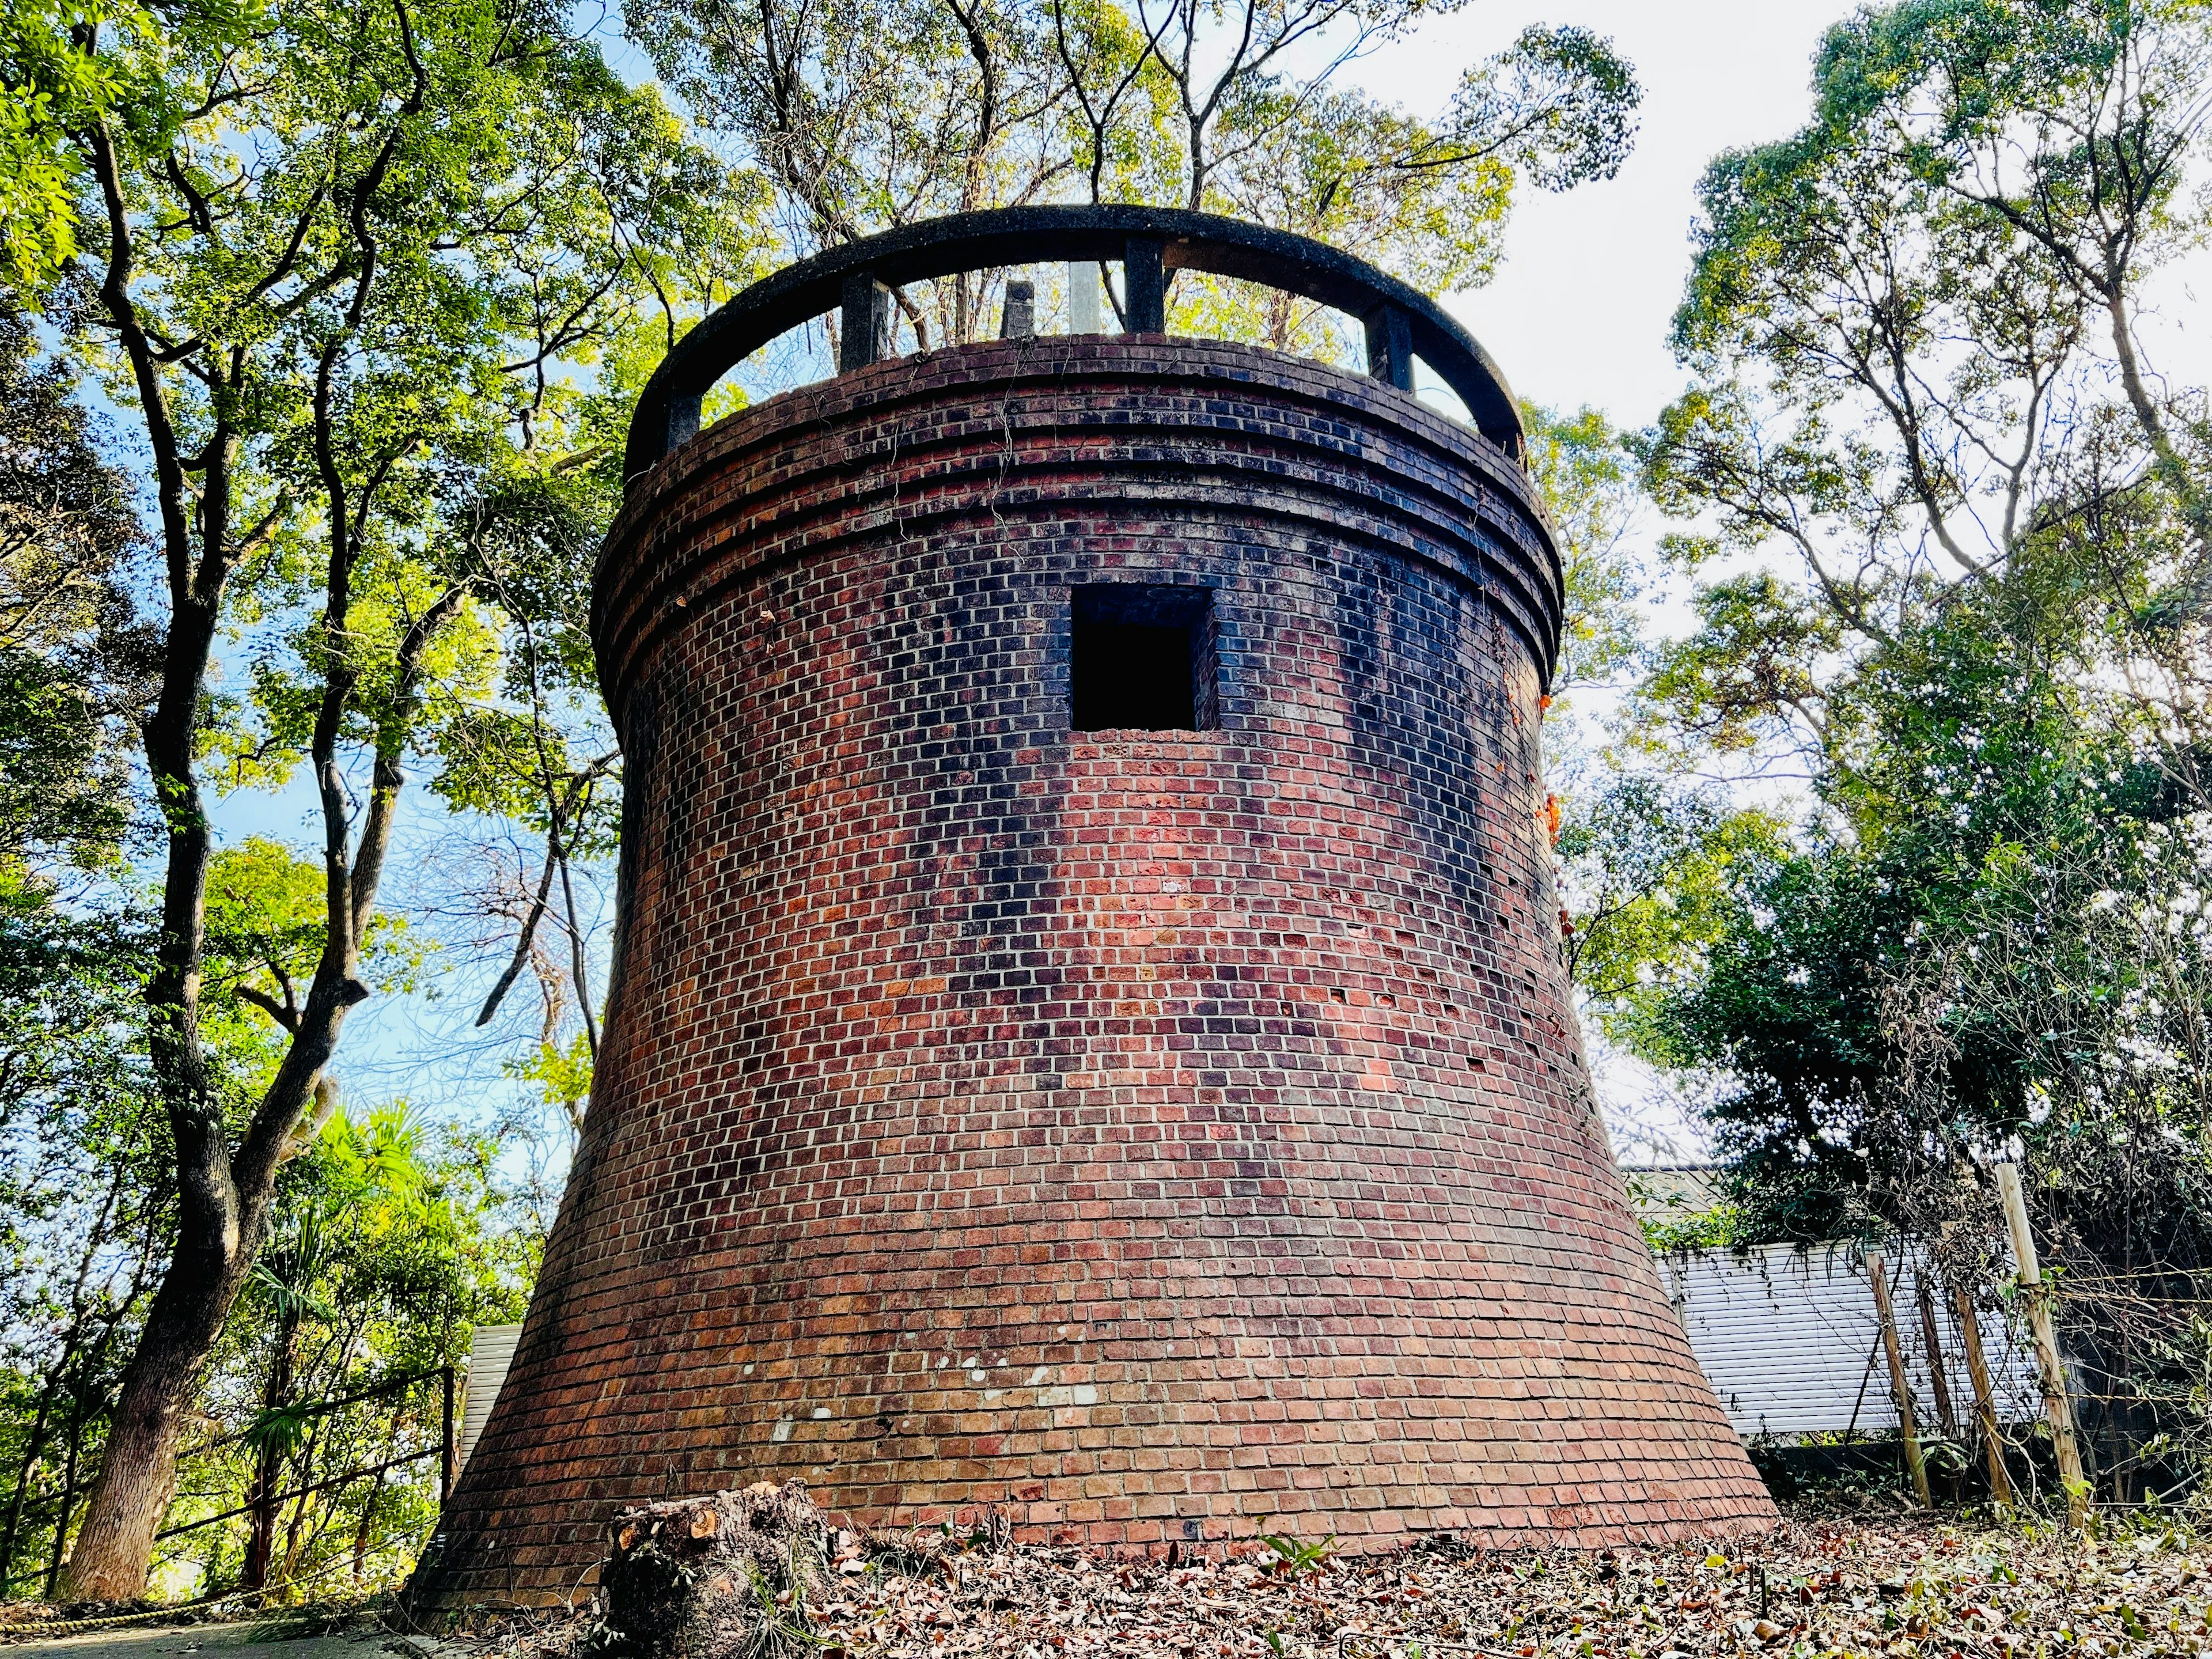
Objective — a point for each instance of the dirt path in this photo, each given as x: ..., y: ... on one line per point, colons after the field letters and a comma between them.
x: 167, y: 1641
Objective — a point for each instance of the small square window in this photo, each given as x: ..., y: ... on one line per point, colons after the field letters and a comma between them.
x: 1144, y: 659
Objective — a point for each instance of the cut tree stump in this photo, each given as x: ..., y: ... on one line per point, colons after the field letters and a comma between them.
x: 726, y: 1575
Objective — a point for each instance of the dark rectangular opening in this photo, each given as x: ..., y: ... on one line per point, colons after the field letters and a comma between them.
x: 1144, y: 659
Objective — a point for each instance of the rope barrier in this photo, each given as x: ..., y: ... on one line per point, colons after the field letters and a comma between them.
x: 10, y: 1633
x: 78, y: 1626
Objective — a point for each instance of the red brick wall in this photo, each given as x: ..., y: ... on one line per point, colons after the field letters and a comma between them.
x: 1167, y: 1137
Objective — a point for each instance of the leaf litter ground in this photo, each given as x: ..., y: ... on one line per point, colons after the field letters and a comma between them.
x: 1892, y: 1588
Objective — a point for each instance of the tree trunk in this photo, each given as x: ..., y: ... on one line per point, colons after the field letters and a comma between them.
x: 138, y: 1467
x: 31, y: 1448
x: 223, y: 1199
x: 68, y: 1503
x: 269, y: 1460
x: 217, y: 1226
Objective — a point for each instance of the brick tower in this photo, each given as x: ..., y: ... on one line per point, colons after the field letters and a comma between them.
x: 1089, y: 1034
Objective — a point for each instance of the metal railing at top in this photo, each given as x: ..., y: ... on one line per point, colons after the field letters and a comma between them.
x: 857, y: 280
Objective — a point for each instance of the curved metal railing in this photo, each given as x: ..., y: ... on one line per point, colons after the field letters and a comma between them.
x: 1401, y: 323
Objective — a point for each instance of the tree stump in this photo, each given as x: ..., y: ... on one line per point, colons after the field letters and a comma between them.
x: 726, y: 1575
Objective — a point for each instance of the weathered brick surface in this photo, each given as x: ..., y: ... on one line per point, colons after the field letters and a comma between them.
x: 1154, y: 1137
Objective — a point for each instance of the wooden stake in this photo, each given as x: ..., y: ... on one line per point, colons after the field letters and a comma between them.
x: 448, y: 1450
x: 1900, y: 1387
x: 1933, y: 1338
x: 2037, y: 1294
x: 1985, y: 1396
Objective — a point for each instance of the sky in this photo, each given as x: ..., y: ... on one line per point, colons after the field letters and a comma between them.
x: 1577, y: 315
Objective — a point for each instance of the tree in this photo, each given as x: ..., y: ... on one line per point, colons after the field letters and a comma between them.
x: 1652, y: 874
x: 2005, y: 958
x: 343, y: 258
x: 1902, y: 319
x: 1921, y: 383
x: 1427, y: 200
x: 389, y: 1242
x: 1644, y: 862
x: 69, y: 655
x: 543, y: 757
x: 79, y: 1175
x: 1585, y: 472
x: 82, y: 1158
x: 879, y: 115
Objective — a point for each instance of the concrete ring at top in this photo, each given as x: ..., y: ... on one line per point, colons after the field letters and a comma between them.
x: 1402, y: 322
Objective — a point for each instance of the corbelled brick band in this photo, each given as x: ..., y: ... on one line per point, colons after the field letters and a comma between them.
x: 1159, y: 1138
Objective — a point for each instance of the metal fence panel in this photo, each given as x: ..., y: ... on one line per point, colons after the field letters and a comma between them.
x: 1788, y: 1339
x: 491, y: 1350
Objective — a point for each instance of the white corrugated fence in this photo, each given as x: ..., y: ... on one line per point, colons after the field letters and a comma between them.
x: 491, y: 1351
x: 1789, y: 1336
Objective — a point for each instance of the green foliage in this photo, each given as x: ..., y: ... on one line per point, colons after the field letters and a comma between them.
x: 1752, y: 674
x: 563, y: 1075
x: 472, y: 393
x: 1897, y: 312
x: 1338, y: 167
x: 780, y: 1626
x: 1956, y: 547
x: 1719, y: 1228
x: 82, y: 1149
x: 59, y: 781
x: 1991, y: 953
x: 393, y: 1240
x: 1294, y: 1559
x: 886, y: 113
x: 1586, y: 476
x: 376, y: 287
x: 1561, y: 103
x: 1652, y: 875
x: 53, y: 78
x: 1427, y: 200
x: 70, y: 658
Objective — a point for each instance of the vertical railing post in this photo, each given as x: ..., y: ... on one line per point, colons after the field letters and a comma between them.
x: 1985, y: 1395
x: 1083, y: 312
x: 1932, y: 1340
x: 683, y: 414
x: 1145, y: 285
x: 864, y: 329
x: 1390, y: 347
